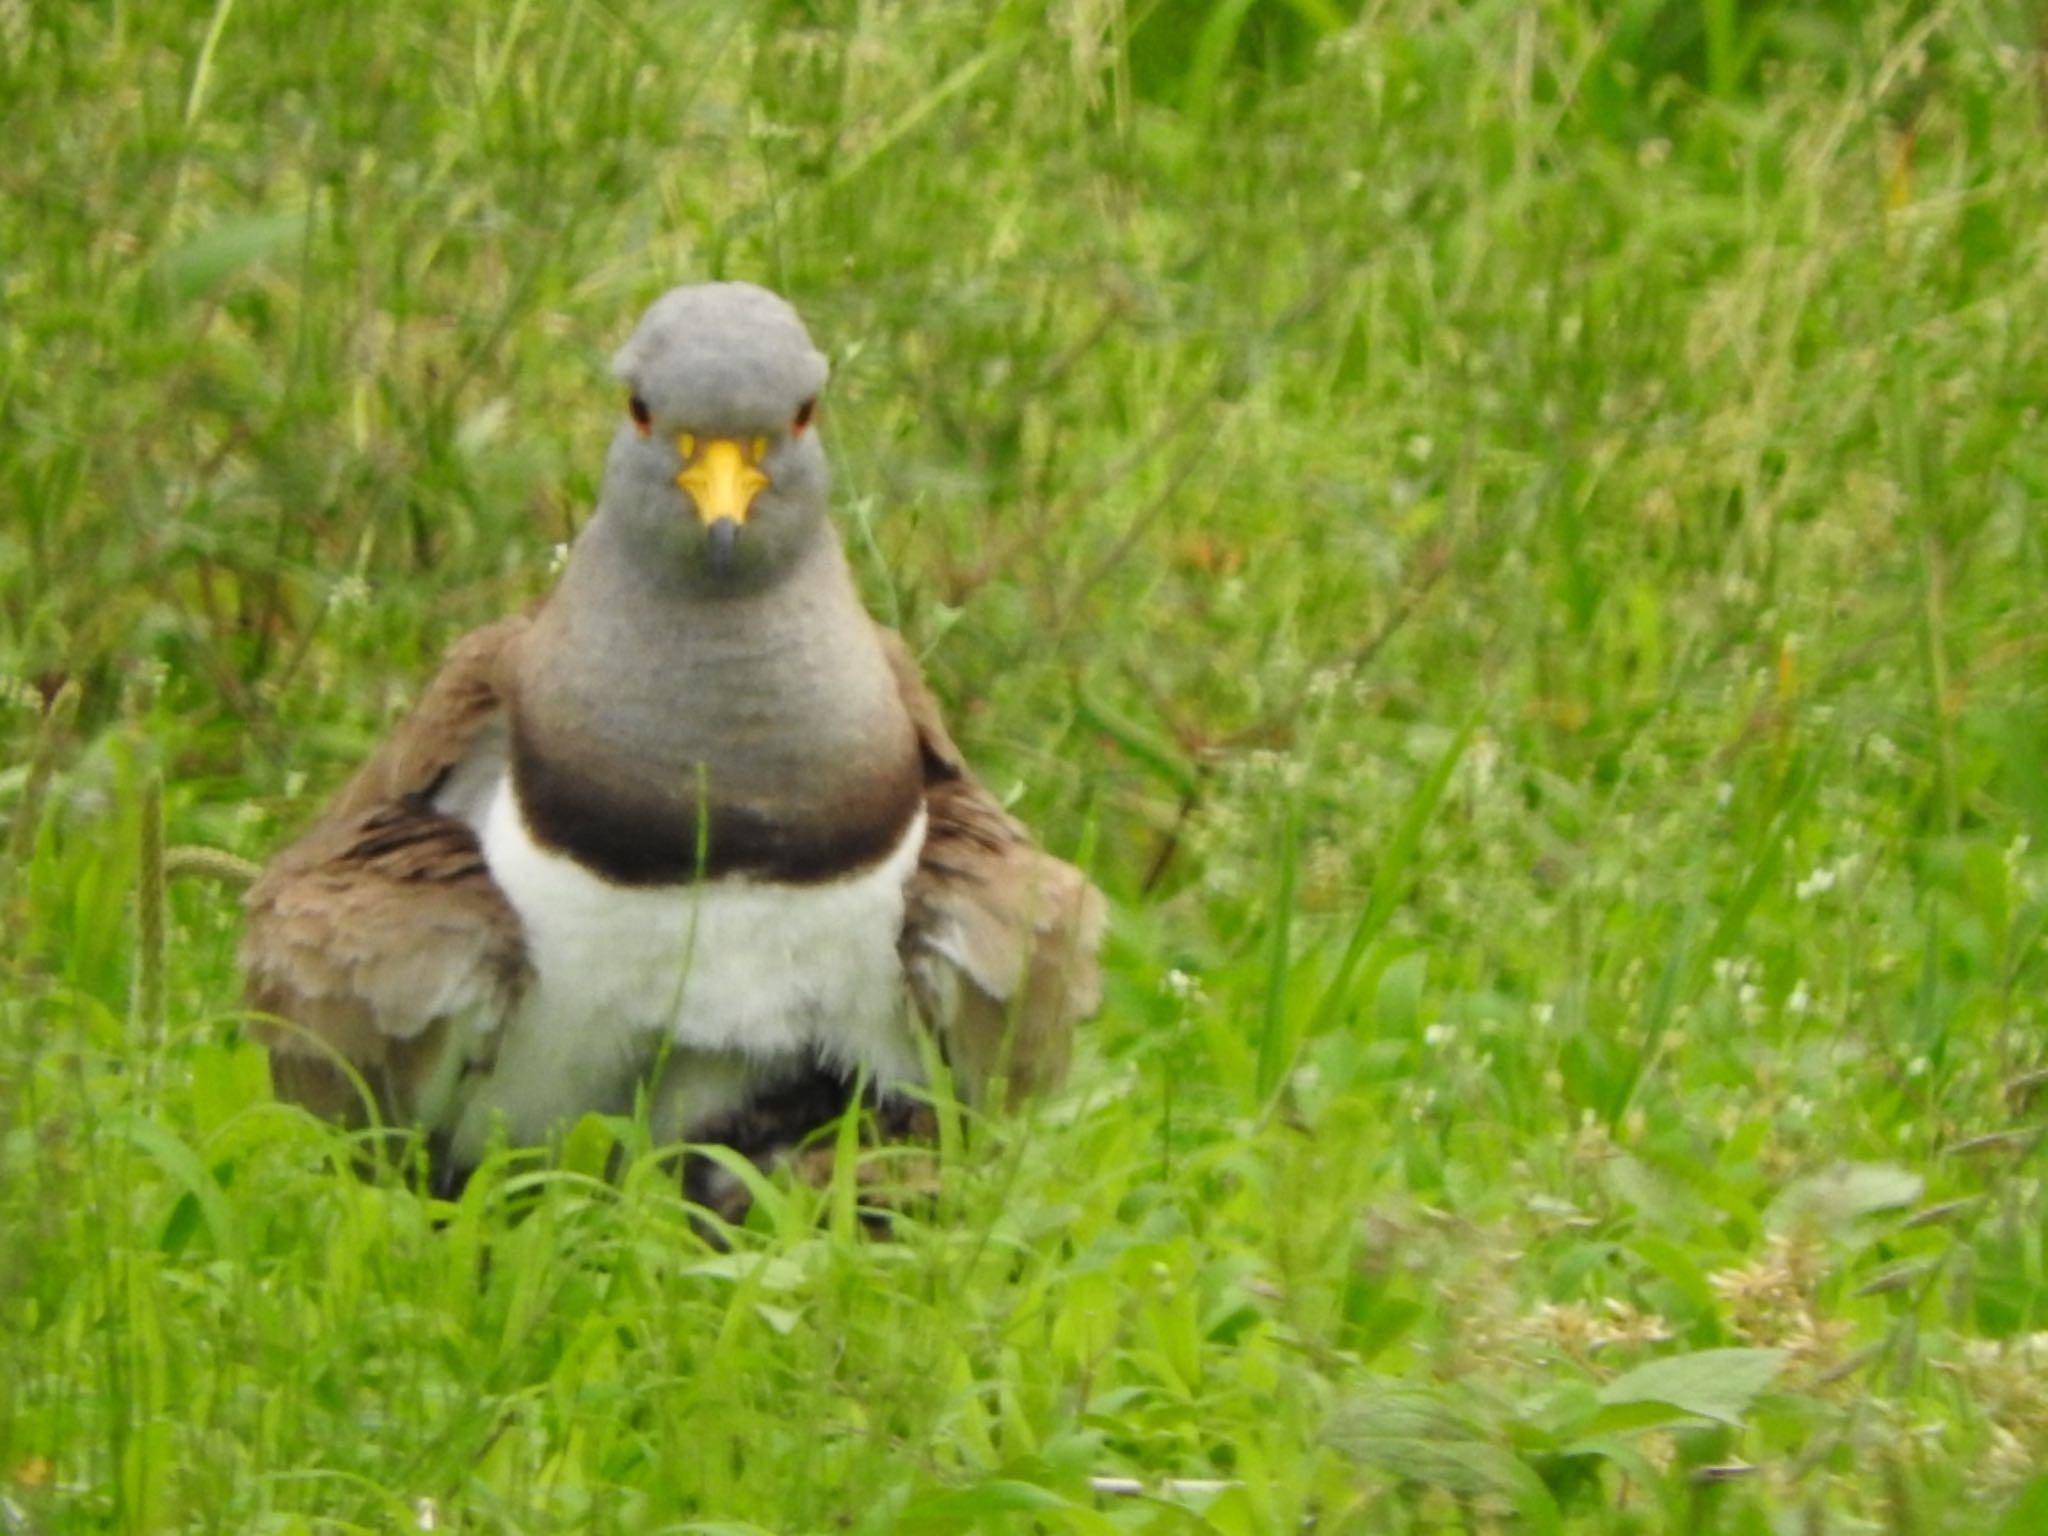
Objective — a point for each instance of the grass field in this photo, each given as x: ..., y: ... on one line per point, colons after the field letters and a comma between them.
x: 1508, y: 537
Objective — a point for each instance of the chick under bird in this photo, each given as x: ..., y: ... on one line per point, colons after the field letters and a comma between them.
x: 692, y: 828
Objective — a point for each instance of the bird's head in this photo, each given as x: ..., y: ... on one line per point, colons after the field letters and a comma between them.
x: 716, y: 473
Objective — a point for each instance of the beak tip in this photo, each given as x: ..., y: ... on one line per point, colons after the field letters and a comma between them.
x: 724, y: 535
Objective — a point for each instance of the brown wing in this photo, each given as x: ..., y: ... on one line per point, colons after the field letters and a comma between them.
x: 999, y: 937
x: 373, y: 936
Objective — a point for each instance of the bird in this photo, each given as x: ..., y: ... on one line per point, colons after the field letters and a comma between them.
x: 689, y: 833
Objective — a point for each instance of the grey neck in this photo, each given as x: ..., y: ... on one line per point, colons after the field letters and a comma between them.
x: 657, y: 732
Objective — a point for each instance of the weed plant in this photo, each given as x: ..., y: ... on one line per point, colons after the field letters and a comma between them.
x: 1509, y: 538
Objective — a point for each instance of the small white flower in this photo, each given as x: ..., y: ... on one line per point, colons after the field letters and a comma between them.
x: 558, y: 557
x: 1819, y: 883
x: 763, y: 128
x: 1801, y: 1000
x: 1481, y: 760
x: 1223, y: 879
x: 1438, y: 1036
x: 1730, y: 971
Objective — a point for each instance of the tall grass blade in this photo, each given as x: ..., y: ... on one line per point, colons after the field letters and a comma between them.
x: 1393, y: 873
x: 1276, y: 1040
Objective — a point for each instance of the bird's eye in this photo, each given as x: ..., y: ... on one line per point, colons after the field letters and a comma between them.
x: 643, y: 418
x: 802, y: 418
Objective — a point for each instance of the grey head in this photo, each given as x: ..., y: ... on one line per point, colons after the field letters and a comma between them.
x: 716, y: 480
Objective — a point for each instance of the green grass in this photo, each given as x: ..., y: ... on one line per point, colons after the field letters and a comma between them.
x: 1510, y: 540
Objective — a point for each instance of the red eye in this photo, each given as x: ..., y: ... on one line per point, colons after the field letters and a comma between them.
x: 803, y: 417
x: 642, y: 417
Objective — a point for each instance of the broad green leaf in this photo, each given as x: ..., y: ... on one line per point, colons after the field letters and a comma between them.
x: 1421, y: 1437
x: 1383, y: 1325
x: 959, y: 1509
x: 1717, y: 1384
x: 588, y: 1147
x: 182, y: 1166
x: 1836, y: 1199
x: 218, y: 253
x: 1633, y: 1463
x: 1681, y: 1269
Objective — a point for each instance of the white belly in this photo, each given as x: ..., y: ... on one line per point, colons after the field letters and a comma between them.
x: 727, y: 984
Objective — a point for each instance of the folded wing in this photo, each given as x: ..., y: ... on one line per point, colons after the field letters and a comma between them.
x: 1000, y: 938
x: 377, y: 946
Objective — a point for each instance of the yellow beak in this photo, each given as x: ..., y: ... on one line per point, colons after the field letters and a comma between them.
x: 722, y: 476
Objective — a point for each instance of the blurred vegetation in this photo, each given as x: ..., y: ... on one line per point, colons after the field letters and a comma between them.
x: 1508, y: 536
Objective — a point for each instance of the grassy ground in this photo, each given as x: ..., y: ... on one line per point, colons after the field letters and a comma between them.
x: 1509, y: 537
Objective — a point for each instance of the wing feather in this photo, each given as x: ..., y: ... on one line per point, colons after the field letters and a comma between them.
x: 377, y: 937
x: 1000, y: 938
